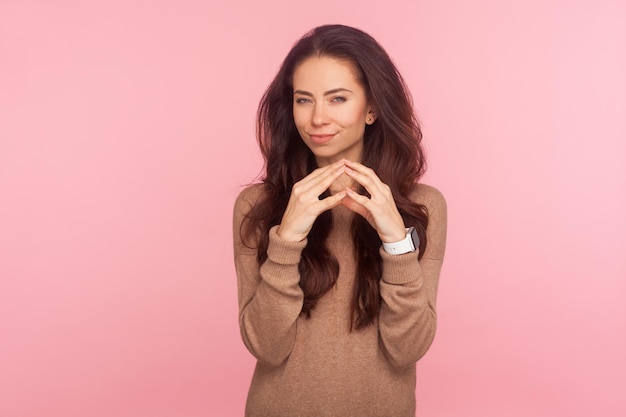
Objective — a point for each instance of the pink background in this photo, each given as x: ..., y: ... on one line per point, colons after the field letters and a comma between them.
x: 127, y: 129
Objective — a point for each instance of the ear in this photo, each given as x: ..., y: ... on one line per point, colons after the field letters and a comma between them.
x: 371, y: 117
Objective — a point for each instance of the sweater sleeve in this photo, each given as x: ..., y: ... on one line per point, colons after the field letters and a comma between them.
x: 408, y: 318
x: 270, y: 299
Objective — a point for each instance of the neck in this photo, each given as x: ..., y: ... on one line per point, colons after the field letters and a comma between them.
x: 342, y: 183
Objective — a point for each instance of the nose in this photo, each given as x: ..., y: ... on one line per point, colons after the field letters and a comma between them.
x: 320, y: 116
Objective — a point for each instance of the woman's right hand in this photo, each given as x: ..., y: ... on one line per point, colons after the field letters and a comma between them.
x: 305, y: 205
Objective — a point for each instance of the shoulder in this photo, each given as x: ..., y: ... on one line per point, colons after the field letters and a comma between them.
x: 430, y: 197
x: 252, y: 192
x: 437, y: 210
x: 248, y: 197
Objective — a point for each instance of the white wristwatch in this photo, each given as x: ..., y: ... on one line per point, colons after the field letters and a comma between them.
x: 409, y: 244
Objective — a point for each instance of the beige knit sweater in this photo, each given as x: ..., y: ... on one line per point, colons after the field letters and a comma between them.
x: 317, y: 367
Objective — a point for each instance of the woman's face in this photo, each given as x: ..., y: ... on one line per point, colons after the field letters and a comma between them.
x: 330, y: 109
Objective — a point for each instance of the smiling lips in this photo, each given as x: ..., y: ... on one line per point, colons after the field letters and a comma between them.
x: 321, y: 138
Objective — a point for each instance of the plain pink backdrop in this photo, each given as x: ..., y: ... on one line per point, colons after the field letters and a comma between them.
x: 127, y: 130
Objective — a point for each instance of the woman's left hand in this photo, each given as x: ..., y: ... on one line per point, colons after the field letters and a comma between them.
x: 380, y: 209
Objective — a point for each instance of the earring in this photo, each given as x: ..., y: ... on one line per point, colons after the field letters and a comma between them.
x: 369, y: 120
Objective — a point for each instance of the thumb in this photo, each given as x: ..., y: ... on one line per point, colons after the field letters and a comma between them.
x: 355, y: 207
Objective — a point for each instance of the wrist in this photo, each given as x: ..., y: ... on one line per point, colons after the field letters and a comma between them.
x: 410, y: 243
x: 286, y: 236
x: 397, y: 237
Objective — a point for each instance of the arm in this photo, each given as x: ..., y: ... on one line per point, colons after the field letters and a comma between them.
x: 408, y: 319
x: 270, y: 299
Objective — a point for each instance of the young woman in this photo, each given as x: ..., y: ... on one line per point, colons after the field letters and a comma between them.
x: 338, y: 250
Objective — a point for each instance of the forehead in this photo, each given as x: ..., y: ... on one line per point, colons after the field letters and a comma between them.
x: 325, y: 73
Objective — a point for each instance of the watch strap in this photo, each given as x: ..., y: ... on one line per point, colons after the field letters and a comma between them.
x: 409, y: 244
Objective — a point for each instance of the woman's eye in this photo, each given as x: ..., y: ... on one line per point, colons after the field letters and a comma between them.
x: 338, y: 99
x: 302, y: 100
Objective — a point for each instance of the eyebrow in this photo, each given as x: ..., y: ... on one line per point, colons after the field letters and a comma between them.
x: 326, y: 93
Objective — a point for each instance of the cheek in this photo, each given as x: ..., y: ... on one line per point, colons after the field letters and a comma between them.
x: 354, y: 115
x: 299, y: 118
x: 300, y: 123
x: 353, y: 120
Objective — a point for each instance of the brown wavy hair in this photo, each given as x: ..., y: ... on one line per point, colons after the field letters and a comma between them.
x: 392, y: 148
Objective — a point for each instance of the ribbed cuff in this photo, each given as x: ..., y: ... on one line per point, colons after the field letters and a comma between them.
x: 400, y: 269
x: 282, y: 251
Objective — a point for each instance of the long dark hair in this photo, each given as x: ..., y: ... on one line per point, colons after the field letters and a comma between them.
x: 392, y: 148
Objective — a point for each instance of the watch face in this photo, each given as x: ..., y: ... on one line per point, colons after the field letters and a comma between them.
x: 415, y: 237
